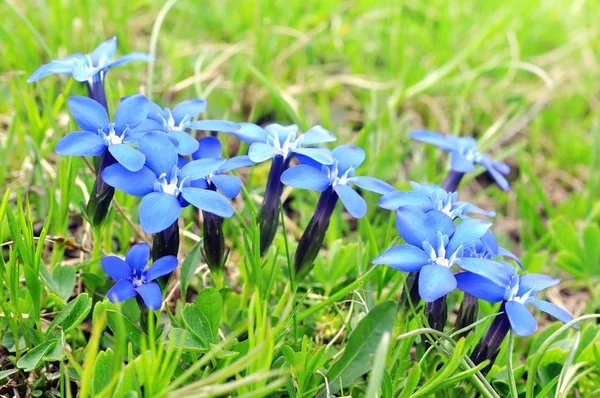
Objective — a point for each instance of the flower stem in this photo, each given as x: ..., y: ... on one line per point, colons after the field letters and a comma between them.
x: 489, y: 347
x: 452, y: 180
x: 314, y: 234
x: 97, y: 92
x: 102, y: 194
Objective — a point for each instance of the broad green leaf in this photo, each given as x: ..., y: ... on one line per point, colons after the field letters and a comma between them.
x: 189, y: 266
x: 211, y: 304
x: 364, y: 340
x: 196, y: 323
x: 5, y: 373
x: 73, y: 314
x: 591, y: 245
x: 64, y: 278
x: 186, y: 340
x: 34, y: 357
x: 103, y: 369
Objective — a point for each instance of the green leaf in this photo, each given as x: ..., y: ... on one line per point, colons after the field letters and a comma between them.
x: 191, y: 263
x: 364, y: 340
x: 103, y: 369
x: 64, y: 278
x: 411, y: 381
x: 376, y: 376
x: 34, y: 357
x: 73, y: 314
x: 196, y: 323
x: 211, y: 304
x: 186, y: 340
x: 5, y: 373
x: 591, y: 244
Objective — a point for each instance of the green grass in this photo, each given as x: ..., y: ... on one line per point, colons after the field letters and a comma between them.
x: 519, y: 76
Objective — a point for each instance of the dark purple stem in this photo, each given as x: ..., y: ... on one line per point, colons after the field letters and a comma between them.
x: 452, y: 180
x: 489, y: 347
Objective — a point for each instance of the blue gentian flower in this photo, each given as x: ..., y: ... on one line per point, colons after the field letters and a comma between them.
x: 164, y: 183
x: 133, y: 278
x: 88, y: 67
x: 464, y: 155
x: 487, y: 247
x: 430, y: 197
x: 433, y: 246
x: 175, y: 122
x: 516, y: 291
x: 99, y: 133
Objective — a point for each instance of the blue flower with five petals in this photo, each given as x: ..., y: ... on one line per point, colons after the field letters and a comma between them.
x: 165, y: 184
x: 88, y: 67
x: 99, y: 133
x: 464, y: 155
x: 133, y: 278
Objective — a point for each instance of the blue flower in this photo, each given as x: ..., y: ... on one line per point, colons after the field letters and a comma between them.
x: 464, y: 155
x: 99, y: 133
x: 88, y: 67
x: 164, y: 183
x: 175, y: 122
x: 133, y: 278
x: 338, y: 175
x: 487, y: 247
x: 430, y: 197
x: 517, y: 292
x: 433, y: 246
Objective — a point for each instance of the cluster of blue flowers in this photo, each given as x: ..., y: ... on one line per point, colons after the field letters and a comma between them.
x: 149, y: 152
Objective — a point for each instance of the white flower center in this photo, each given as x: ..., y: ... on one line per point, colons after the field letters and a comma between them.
x: 112, y: 137
x: 172, y: 186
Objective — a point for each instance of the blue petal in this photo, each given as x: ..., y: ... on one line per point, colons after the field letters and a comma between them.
x: 260, y: 152
x: 348, y: 156
x: 80, y: 143
x: 51, y: 68
x: 394, y: 200
x: 461, y: 164
x: 506, y: 253
x: 538, y: 281
x: 116, y: 268
x: 229, y: 186
x: 128, y: 157
x: 89, y: 114
x: 201, y: 168
x: 208, y: 147
x: 236, y: 163
x: 427, y: 189
x: 189, y: 108
x: 521, y: 320
x: 250, y: 133
x: 105, y: 50
x: 321, y: 155
x: 147, y: 126
x: 414, y: 226
x: 490, y: 242
x: 317, y: 135
x: 131, y: 57
x: 441, y: 222
x: 121, y: 291
x: 305, y: 177
x: 158, y: 211
x: 353, y: 202
x: 186, y: 144
x: 160, y: 153
x: 489, y: 269
x: 373, y: 185
x: 222, y: 126
x: 151, y: 294
x: 430, y: 137
x: 131, y: 112
x: 405, y: 258
x: 477, y: 210
x: 480, y: 287
x: 137, y: 257
x: 435, y: 281
x: 161, y: 267
x: 308, y: 161
x: 209, y: 201
x: 83, y: 74
x: 554, y: 310
x: 282, y: 132
x: 137, y: 183
x: 467, y: 232
x: 493, y: 168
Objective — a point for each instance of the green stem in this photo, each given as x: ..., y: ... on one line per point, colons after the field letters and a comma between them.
x: 511, y: 373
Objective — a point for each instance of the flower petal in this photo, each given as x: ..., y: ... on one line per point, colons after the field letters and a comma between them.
x: 305, y: 177
x: 208, y: 147
x: 163, y: 266
x: 353, y: 202
x: 373, y: 185
x: 201, y: 168
x: 321, y: 155
x: 137, y: 257
x: 554, y: 310
x: 151, y: 294
x: 521, y: 320
x: 460, y: 164
x: 467, y: 232
x: 191, y: 108
x: 502, y: 252
x: 394, y: 200
x: 105, y: 50
x: 116, y: 268
x: 348, y: 156
x: 132, y: 111
x: 441, y: 222
x: 435, y: 281
x: 121, y: 291
x: 131, y: 57
x: 89, y: 114
x: 137, y: 183
x: 492, y: 270
x: 317, y: 135
x: 51, y: 68
x: 222, y: 126
x: 414, y: 226
x: 186, y: 144
x: 538, y: 281
x: 236, y: 163
x: 80, y: 143
x: 260, y: 152
x: 405, y: 258
x: 493, y: 168
x: 250, y: 133
x: 430, y: 137
x: 158, y: 211
x: 127, y: 156
x: 230, y: 186
x: 161, y: 155
x: 480, y: 287
x: 210, y: 201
